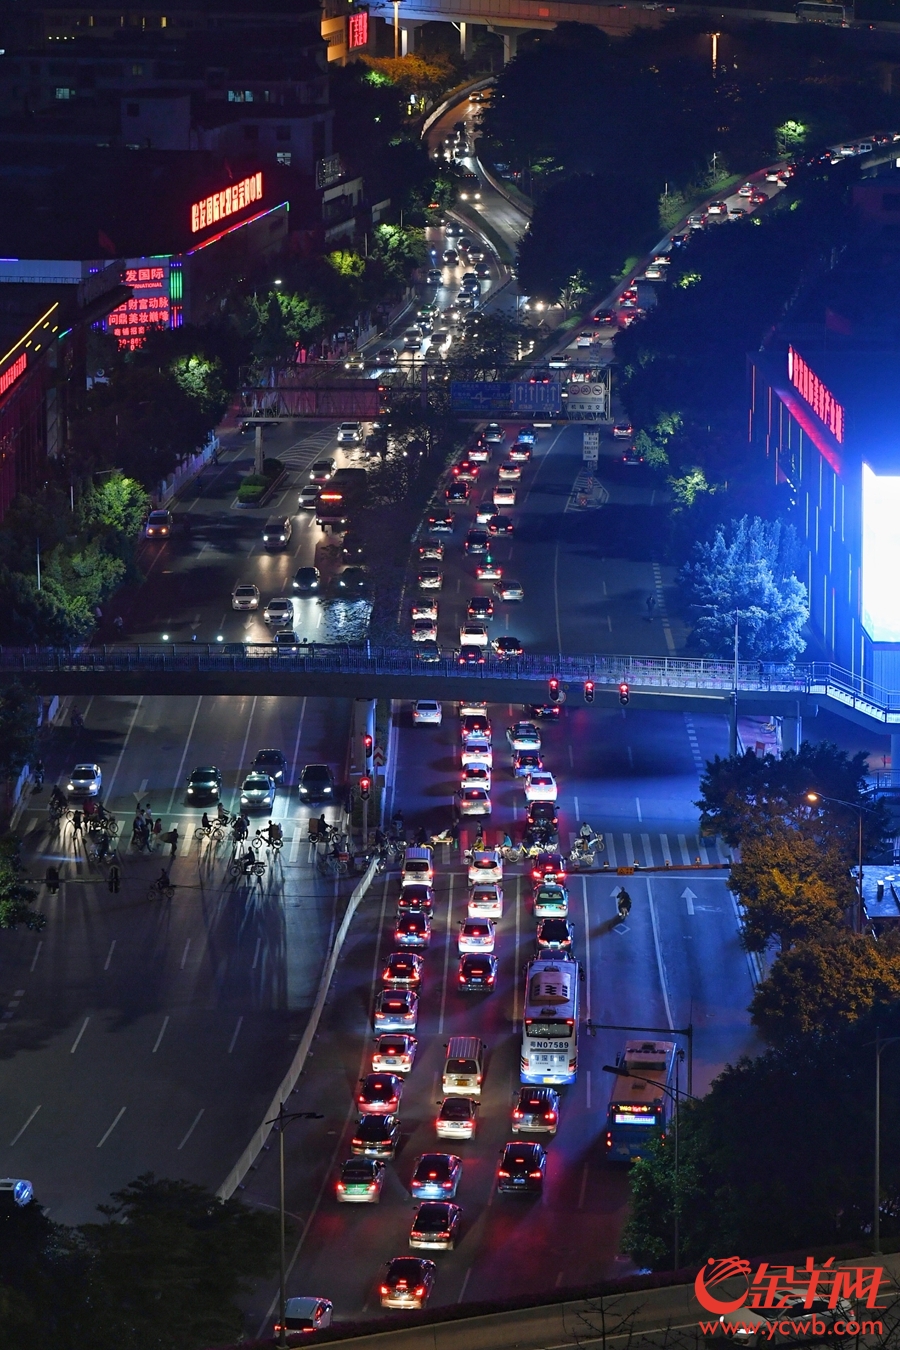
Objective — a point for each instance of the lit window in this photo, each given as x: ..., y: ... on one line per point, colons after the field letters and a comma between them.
x: 65, y: 93
x: 283, y: 157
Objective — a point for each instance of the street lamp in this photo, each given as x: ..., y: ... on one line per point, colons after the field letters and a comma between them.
x: 813, y: 798
x: 622, y: 1072
x: 876, y: 1214
x: 396, y: 29
x: 285, y: 1118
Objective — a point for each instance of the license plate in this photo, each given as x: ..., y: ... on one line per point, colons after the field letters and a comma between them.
x: 460, y: 1082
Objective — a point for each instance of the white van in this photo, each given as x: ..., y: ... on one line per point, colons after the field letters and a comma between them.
x: 418, y: 867
x: 463, y: 1067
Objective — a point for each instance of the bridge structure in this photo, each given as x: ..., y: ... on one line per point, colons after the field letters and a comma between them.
x: 364, y: 670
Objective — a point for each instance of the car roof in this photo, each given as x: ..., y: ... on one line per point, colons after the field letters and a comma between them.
x: 316, y: 770
x: 305, y: 1303
x: 269, y: 751
x: 204, y: 768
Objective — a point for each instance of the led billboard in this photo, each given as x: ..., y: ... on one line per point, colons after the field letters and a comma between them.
x: 880, y: 555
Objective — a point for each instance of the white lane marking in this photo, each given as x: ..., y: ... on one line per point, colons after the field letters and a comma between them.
x: 297, y: 744
x: 447, y: 952
x: 637, y: 807
x: 235, y: 1034
x: 194, y: 1124
x: 611, y: 850
x: 659, y: 959
x: 584, y: 1182
x: 37, y: 952
x: 682, y: 844
x: 629, y: 851
x: 242, y: 759
x: 295, y: 844
x: 18, y: 1135
x: 689, y: 897
x: 143, y: 788
x: 256, y: 953
x: 648, y: 851
x: 177, y: 783
x: 587, y: 1078
x: 162, y: 1032
x: 666, y: 851
x: 587, y: 961
x: 77, y: 1040
x: 577, y: 809
x: 108, y: 787
x: 465, y: 1285
x: 112, y: 948
x: 184, y: 954
x: 112, y: 1127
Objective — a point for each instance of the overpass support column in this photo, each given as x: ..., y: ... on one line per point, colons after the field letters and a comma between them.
x: 791, y: 729
x: 510, y: 38
x: 408, y: 38
x: 466, y: 37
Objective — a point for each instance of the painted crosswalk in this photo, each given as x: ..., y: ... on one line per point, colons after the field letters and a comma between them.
x: 641, y: 849
x: 302, y: 453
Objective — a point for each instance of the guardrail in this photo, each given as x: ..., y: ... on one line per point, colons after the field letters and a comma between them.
x: 647, y: 673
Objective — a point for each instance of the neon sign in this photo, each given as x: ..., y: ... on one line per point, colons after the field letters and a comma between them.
x: 819, y: 397
x: 358, y: 29
x: 12, y: 373
x: 146, y: 309
x: 226, y: 203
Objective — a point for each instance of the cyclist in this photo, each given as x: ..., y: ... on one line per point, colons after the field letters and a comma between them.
x: 623, y: 904
x: 52, y: 879
x: 479, y: 840
x: 162, y: 881
x: 507, y: 842
x: 275, y: 833
x: 204, y: 821
x: 240, y: 828
x: 322, y: 828
x: 102, y: 846
x: 222, y: 814
x: 58, y: 798
x: 585, y: 833
x: 76, y: 719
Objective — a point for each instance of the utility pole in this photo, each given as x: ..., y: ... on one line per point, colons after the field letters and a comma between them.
x: 285, y: 1118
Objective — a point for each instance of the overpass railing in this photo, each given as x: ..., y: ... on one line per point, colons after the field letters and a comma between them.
x: 685, y: 674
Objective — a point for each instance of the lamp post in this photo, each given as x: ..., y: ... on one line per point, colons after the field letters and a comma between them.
x: 396, y: 29
x: 622, y: 1072
x: 285, y: 1118
x: 813, y: 798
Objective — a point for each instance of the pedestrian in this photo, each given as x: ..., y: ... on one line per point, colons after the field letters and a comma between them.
x: 38, y: 775
x: 173, y: 839
x: 454, y: 831
x: 136, y: 827
x: 76, y: 824
x: 421, y: 836
x: 651, y: 606
x: 113, y: 878
x: 119, y: 625
x: 143, y: 836
x: 157, y: 829
x: 52, y: 879
x: 102, y: 846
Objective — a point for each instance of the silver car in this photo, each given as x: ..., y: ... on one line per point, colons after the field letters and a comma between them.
x: 245, y: 597
x: 258, y: 791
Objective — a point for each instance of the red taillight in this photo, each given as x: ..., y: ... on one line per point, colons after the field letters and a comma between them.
x: 446, y: 1185
x: 535, y: 1174
x: 501, y: 1173
x: 517, y: 1115
x: 537, y: 874
x: 340, y: 1185
x: 384, y: 1290
x: 549, y: 1115
x: 420, y: 1291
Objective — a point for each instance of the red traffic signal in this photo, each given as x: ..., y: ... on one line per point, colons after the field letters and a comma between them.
x: 365, y: 787
x: 554, y: 690
x: 589, y: 691
x: 367, y: 746
x: 623, y: 693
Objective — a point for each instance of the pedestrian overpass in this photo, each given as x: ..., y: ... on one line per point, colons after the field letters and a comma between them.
x: 364, y: 670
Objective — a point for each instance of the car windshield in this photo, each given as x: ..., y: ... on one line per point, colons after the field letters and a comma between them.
x: 457, y: 1108
x: 256, y: 782
x: 82, y: 773
x: 270, y: 757
x: 245, y: 590
x: 361, y: 1170
x: 316, y: 773
x: 203, y: 776
x: 406, y: 1268
x: 431, y: 1219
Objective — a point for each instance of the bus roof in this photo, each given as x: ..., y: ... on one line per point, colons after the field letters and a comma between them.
x: 550, y: 988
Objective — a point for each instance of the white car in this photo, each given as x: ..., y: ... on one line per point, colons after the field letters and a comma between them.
x: 279, y: 611
x: 486, y: 901
x: 509, y: 473
x: 524, y: 736
x: 493, y: 433
x: 476, y: 775
x: 258, y: 790
x: 473, y: 635
x: 427, y: 712
x: 456, y: 1118
x: 477, y: 750
x: 540, y: 786
x: 86, y: 780
x: 504, y: 495
x: 424, y: 630
x: 474, y: 801
x: 746, y: 190
x: 476, y: 935
x: 486, y: 865
x: 484, y: 512
x: 474, y: 708
x: 305, y: 1314
x: 424, y: 609
x: 507, y: 589
x: 245, y: 597
x: 430, y: 579
x: 350, y: 433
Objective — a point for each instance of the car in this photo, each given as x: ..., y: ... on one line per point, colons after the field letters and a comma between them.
x: 453, y: 228
x: 85, y: 780
x: 482, y: 271
x: 276, y: 532
x: 387, y: 356
x: 435, y: 276
x: 473, y: 635
x: 697, y: 220
x: 258, y: 792
x: 759, y: 198
x: 360, y: 1181
x: 523, y: 736
x: 302, y: 1315
x: 485, y: 901
x: 540, y: 786
x: 355, y: 361
x: 631, y: 456
x: 395, y: 1052
x: 542, y: 814
x: 520, y: 453
x: 549, y: 866
x: 321, y: 470
x: 509, y: 590
x: 431, y: 549
x: 285, y: 641
x: 485, y: 864
x: 427, y: 712
x: 476, y: 775
x: 479, y: 453
x: 536, y: 1109
x: 484, y: 511
x: 279, y: 611
x: 745, y: 190
x: 509, y: 473
x: 245, y: 597
x: 379, y: 1094
x: 717, y: 209
x: 476, y: 935
x: 679, y: 240
x: 407, y: 1283
x: 527, y: 436
x: 470, y: 656
x: 488, y: 570
x: 499, y: 525
x: 159, y: 525
x: 424, y: 630
x: 375, y: 1137
x: 507, y: 646
x: 307, y: 580
x: 271, y: 762
x: 436, y: 1176
x: 551, y: 900
x: 473, y: 707
x: 522, y: 1168
x: 308, y: 499
x: 403, y: 970
x: 457, y: 491
x: 735, y: 211
x: 353, y: 580
x: 480, y: 607
x: 456, y: 1118
x: 441, y: 522
x: 430, y: 579
x: 474, y: 722
x: 412, y: 340
x: 353, y: 550
x: 450, y: 257
x: 525, y: 761
x: 434, y: 1226
x: 204, y: 784
x: 350, y: 433
x: 504, y: 495
x: 477, y: 973
x: 477, y: 750
x: 466, y: 471
x: 493, y: 433
x: 548, y: 712
x: 554, y: 935
x: 413, y: 929
x: 428, y: 652
x: 416, y: 895
x: 474, y: 801
x: 622, y: 431
x: 417, y: 867
x: 440, y: 341
x: 316, y: 783
x: 764, y: 1326
x: 396, y: 1009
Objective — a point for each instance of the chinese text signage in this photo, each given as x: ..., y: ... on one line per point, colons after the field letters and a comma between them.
x: 147, y: 308
x: 816, y: 394
x: 220, y: 205
x: 12, y: 372
x: 358, y: 29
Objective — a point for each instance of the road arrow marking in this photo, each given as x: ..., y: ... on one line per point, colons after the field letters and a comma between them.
x: 688, y: 895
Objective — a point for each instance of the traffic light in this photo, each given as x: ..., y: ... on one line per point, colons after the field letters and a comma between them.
x: 367, y: 746
x: 589, y: 691
x: 554, y: 690
x: 365, y: 787
x: 623, y: 693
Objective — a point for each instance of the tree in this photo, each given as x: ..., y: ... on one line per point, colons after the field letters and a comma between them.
x: 792, y: 884
x: 746, y: 572
x: 489, y: 347
x: 16, y: 896
x: 18, y: 729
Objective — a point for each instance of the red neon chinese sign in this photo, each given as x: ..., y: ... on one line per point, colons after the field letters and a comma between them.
x: 148, y: 308
x: 819, y: 397
x: 358, y: 29
x: 226, y: 203
x: 12, y: 373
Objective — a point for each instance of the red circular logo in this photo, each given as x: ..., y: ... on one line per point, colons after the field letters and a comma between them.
x: 715, y: 1272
